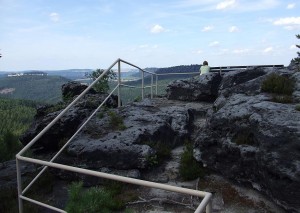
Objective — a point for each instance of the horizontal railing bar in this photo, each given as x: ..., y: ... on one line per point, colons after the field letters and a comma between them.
x: 136, y: 66
x: 64, y: 111
x: 149, y: 72
x: 66, y: 144
x: 116, y: 177
x: 249, y: 66
x: 125, y: 85
x: 42, y: 204
x: 178, y: 73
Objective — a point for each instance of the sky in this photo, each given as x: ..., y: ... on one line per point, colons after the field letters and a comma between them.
x: 66, y: 34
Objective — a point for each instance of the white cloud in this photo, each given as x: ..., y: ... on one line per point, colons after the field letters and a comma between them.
x: 268, y: 50
x: 233, y: 29
x: 225, y: 4
x: 214, y: 43
x: 292, y: 47
x: 207, y: 28
x: 157, y: 29
x: 54, y: 17
x: 199, y: 51
x: 287, y: 21
x: 290, y: 6
x: 240, y: 51
x: 294, y: 27
x: 143, y: 46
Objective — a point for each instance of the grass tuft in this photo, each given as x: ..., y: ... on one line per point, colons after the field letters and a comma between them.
x: 277, y: 84
x: 116, y: 121
x: 189, y: 168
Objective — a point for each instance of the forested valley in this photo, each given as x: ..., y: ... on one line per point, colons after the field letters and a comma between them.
x: 16, y: 116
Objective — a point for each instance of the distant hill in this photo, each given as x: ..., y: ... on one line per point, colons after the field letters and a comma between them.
x: 72, y: 74
x: 38, y: 88
x: 175, y: 69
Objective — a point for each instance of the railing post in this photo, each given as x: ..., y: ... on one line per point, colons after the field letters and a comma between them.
x: 119, y: 82
x: 220, y: 72
x: 151, y: 86
x: 142, y: 84
x: 156, y: 79
x: 209, y: 207
x: 19, y: 182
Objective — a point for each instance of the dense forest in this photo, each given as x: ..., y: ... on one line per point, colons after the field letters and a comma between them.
x: 16, y: 116
x: 39, y: 88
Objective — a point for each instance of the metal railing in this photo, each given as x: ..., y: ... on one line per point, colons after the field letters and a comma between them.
x: 205, y: 204
x: 221, y: 70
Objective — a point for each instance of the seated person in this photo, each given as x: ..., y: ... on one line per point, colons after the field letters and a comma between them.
x: 204, y: 68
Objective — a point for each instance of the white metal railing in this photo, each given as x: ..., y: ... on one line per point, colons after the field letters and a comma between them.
x: 205, y: 203
x: 220, y: 70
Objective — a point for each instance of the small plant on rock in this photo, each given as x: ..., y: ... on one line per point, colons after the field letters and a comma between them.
x: 163, y: 152
x: 189, y: 168
x: 297, y: 107
x: 111, y: 198
x: 280, y: 86
x: 244, y: 138
x: 116, y: 121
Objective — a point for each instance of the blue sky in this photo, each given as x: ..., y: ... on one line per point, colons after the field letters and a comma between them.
x: 64, y: 34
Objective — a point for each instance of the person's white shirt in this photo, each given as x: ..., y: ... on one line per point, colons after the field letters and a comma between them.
x: 204, y: 69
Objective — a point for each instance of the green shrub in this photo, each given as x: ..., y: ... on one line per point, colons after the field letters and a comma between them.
x: 282, y: 98
x: 244, y: 138
x: 277, y: 84
x: 94, y: 199
x: 103, y: 84
x: 297, y: 107
x: 9, y: 146
x: 189, y: 168
x: 116, y: 121
x: 163, y: 152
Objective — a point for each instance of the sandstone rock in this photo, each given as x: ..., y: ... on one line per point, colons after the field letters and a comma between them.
x: 296, y: 93
x: 71, y: 89
x: 8, y: 174
x: 67, y: 125
x: 252, y: 140
x: 199, y: 88
x: 147, y: 128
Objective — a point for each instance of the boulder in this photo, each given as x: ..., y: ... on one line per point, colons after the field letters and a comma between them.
x: 8, y: 174
x: 68, y: 124
x: 72, y: 89
x: 253, y: 140
x: 199, y: 88
x: 296, y: 93
x: 146, y: 129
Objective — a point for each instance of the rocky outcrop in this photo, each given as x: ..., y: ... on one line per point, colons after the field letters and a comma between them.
x: 199, y: 88
x: 8, y: 174
x: 253, y: 140
x: 135, y: 144
x: 296, y: 93
x: 69, y: 123
x: 72, y: 89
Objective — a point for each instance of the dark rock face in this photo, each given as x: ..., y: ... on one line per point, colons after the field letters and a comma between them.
x: 296, y: 93
x: 252, y: 140
x: 200, y: 88
x: 68, y: 124
x: 8, y: 174
x: 242, y: 81
x: 72, y: 89
x: 147, y: 127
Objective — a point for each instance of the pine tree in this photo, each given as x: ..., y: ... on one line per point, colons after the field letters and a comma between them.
x: 297, y: 60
